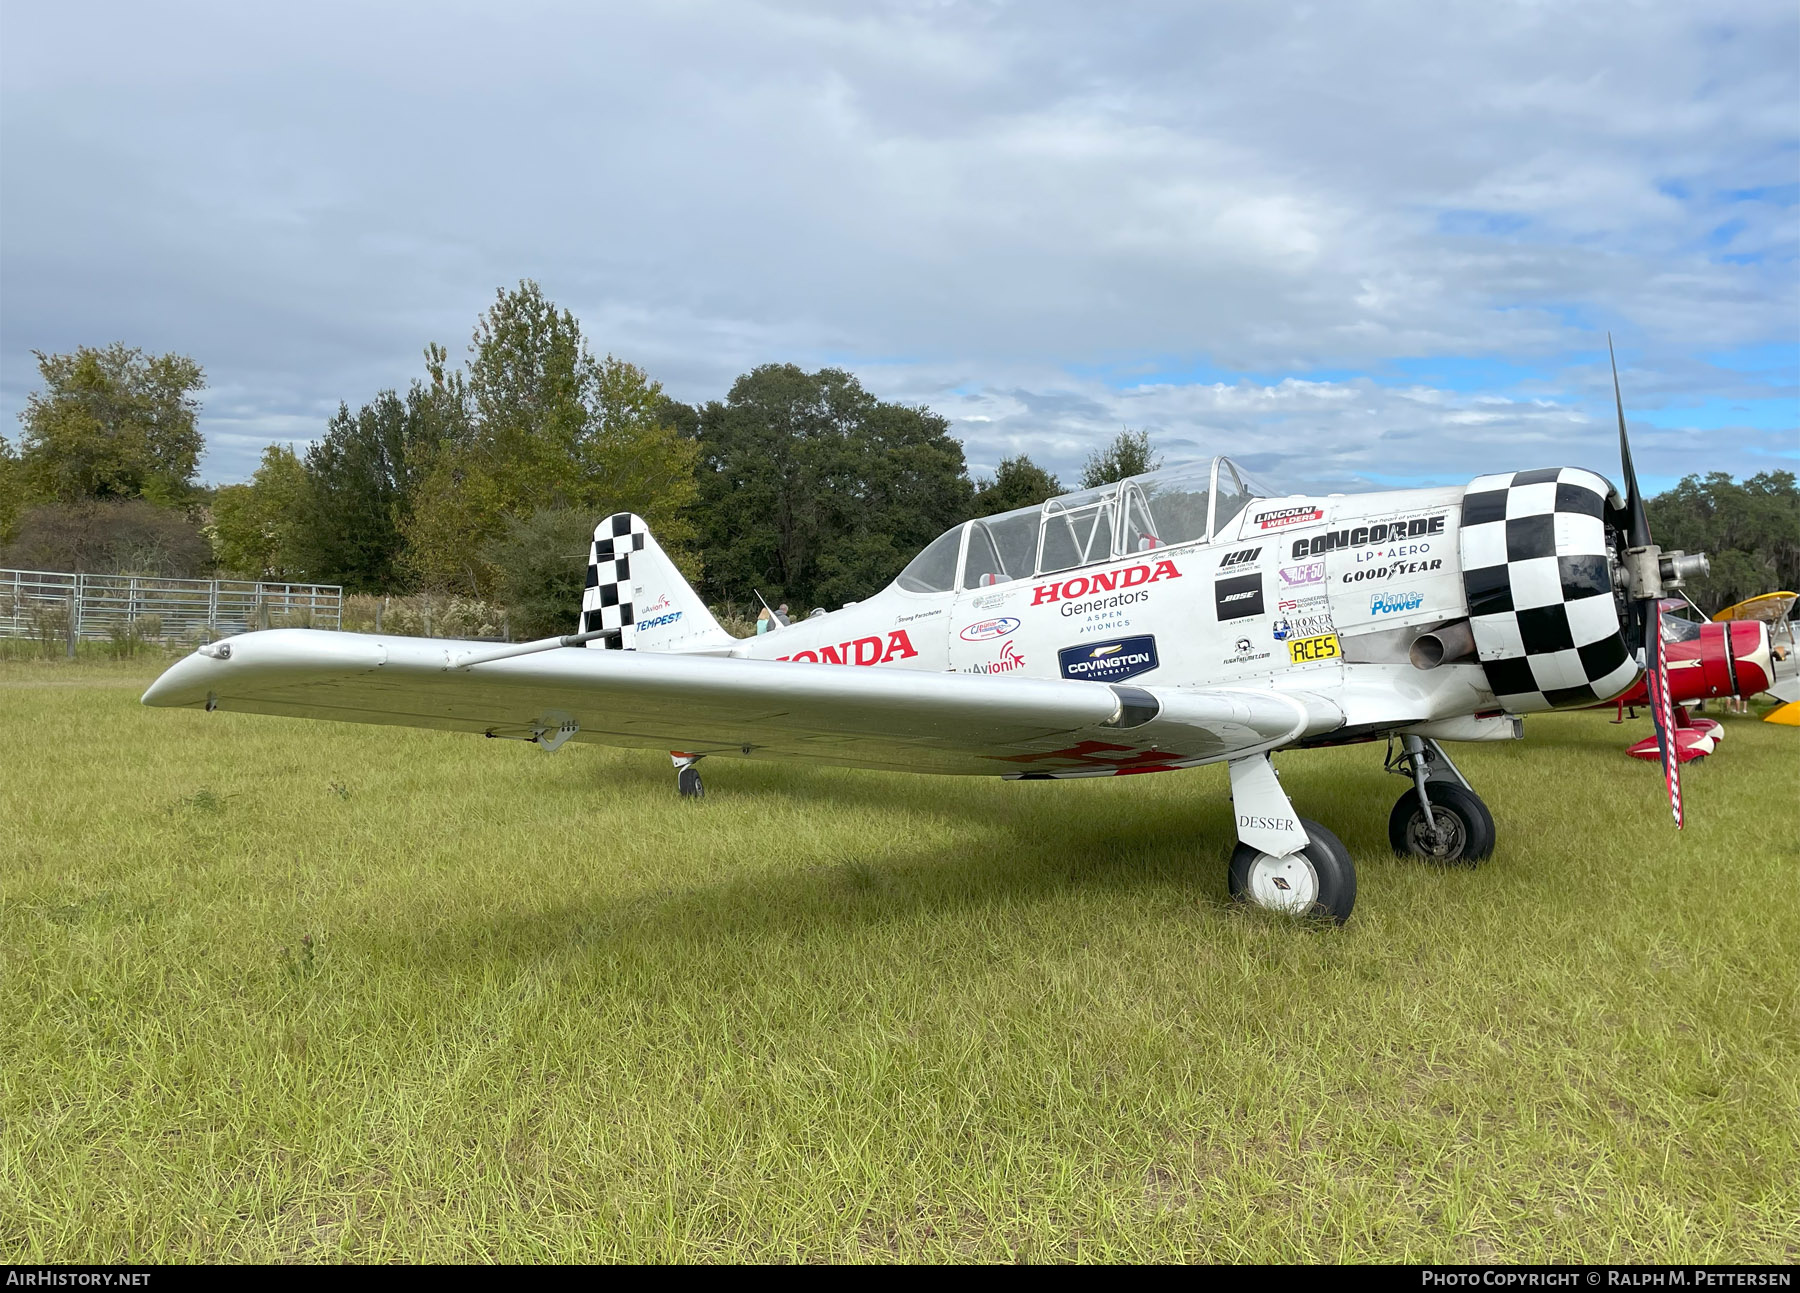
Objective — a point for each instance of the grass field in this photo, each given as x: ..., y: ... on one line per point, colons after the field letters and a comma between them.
x: 279, y: 991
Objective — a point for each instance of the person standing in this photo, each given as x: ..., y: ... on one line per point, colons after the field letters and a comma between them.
x: 762, y: 621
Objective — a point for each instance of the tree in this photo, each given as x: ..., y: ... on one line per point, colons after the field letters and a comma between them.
x: 1750, y: 532
x: 113, y: 423
x: 546, y: 426
x: 813, y: 490
x: 1128, y: 455
x: 1017, y: 482
x: 112, y: 536
x: 361, y: 479
x: 12, y: 490
x: 257, y: 529
x: 540, y: 564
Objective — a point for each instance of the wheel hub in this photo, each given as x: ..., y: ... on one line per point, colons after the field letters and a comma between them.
x: 1446, y: 841
x: 1284, y: 884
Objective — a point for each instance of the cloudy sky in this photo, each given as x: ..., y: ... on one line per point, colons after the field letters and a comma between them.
x: 1343, y: 242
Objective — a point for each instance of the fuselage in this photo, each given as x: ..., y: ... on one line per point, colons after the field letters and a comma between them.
x: 1320, y: 593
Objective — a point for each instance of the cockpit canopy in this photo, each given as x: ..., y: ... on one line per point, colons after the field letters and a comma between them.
x: 1193, y: 503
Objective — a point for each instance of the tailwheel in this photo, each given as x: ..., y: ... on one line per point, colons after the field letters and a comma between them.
x: 1317, y: 880
x: 687, y: 781
x: 1460, y: 831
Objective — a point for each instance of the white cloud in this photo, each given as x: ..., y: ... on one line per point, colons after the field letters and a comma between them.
x: 971, y: 206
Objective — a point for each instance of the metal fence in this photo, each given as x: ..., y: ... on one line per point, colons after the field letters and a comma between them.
x: 46, y: 604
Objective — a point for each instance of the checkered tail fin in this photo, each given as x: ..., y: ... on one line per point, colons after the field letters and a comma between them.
x: 637, y: 597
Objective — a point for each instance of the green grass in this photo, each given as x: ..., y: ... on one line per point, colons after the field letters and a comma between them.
x: 276, y: 991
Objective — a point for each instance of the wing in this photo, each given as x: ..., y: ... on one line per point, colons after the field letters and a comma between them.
x: 860, y: 717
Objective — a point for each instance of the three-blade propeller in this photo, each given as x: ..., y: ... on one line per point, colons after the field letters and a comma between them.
x: 1644, y: 622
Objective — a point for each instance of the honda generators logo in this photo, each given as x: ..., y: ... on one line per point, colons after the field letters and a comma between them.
x: 1239, y: 597
x: 1104, y: 581
x: 1109, y: 661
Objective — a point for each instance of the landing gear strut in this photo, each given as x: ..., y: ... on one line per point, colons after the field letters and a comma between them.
x: 1283, y: 861
x: 1441, y: 819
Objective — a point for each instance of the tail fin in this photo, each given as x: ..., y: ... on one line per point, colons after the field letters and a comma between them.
x: 636, y: 595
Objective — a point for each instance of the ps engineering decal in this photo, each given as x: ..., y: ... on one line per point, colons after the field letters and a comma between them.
x: 1109, y: 661
x: 1239, y: 597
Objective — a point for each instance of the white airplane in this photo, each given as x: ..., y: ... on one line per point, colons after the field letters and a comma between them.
x: 1176, y: 619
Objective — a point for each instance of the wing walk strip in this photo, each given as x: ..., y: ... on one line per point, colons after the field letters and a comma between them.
x: 878, y: 718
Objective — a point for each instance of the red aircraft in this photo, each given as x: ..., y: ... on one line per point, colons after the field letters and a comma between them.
x: 1705, y: 661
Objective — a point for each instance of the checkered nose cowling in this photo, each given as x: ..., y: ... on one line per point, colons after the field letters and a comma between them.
x: 1537, y: 568
x: 606, y: 603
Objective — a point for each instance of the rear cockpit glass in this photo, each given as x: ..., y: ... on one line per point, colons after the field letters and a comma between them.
x: 1193, y: 503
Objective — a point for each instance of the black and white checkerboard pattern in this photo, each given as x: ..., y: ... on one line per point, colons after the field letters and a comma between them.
x: 606, y: 603
x: 1536, y: 570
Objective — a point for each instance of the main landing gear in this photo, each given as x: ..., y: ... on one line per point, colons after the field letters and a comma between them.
x: 687, y: 776
x: 1283, y: 862
x: 1441, y: 819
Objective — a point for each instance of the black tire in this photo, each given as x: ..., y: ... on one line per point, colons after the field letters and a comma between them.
x: 1323, y: 866
x: 687, y: 781
x: 1465, y: 827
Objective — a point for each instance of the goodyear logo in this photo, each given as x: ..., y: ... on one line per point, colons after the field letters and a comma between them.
x: 1306, y: 650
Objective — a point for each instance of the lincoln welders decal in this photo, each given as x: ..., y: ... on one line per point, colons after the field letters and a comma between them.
x: 1109, y: 661
x: 1239, y: 597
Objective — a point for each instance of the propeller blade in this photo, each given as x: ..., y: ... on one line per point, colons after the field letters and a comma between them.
x: 1662, y: 712
x: 1637, y: 517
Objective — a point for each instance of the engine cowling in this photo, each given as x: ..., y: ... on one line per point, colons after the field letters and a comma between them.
x: 1537, y: 564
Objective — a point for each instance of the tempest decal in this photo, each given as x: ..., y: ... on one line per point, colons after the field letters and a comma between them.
x: 986, y: 630
x: 1238, y: 597
x: 1306, y: 650
x: 1389, y: 603
x: 1104, y: 581
x: 659, y: 621
x: 1288, y: 516
x: 863, y: 651
x: 1109, y: 661
x: 1364, y: 536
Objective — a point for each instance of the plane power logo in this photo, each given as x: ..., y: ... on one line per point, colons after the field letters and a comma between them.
x: 1104, y: 581
x: 1109, y: 661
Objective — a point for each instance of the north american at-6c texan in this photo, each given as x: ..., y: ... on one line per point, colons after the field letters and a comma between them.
x: 1175, y: 619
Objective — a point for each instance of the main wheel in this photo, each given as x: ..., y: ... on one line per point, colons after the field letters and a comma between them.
x: 1464, y: 833
x: 687, y: 781
x: 1319, y: 880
